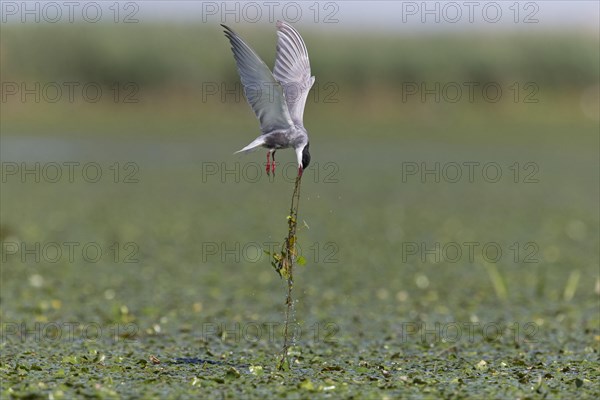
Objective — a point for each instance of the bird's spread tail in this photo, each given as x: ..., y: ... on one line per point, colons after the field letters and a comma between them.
x: 259, y: 141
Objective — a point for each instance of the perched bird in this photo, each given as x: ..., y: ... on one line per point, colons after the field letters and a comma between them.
x: 277, y: 98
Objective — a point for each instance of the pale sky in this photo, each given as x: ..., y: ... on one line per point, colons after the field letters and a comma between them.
x: 389, y: 15
x: 408, y: 16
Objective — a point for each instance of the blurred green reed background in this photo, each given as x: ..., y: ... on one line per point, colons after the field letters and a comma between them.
x: 167, y: 56
x: 176, y: 68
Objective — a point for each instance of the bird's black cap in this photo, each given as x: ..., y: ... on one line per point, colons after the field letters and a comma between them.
x: 305, y: 156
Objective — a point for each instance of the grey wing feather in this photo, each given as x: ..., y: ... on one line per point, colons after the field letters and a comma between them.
x: 263, y: 92
x: 292, y: 70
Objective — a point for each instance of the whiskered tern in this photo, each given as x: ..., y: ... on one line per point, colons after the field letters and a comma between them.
x: 277, y: 98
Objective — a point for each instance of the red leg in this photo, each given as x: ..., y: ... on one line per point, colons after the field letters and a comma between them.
x: 268, y: 163
x: 273, y: 165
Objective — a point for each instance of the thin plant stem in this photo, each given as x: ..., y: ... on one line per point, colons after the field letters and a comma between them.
x: 286, y: 270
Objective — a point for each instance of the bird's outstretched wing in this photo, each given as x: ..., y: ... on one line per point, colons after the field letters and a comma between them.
x: 292, y: 70
x: 263, y: 92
